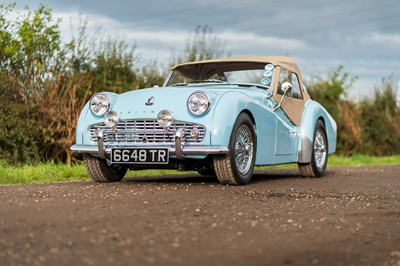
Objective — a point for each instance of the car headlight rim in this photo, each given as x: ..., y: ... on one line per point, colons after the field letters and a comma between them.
x: 99, y: 104
x: 198, y: 103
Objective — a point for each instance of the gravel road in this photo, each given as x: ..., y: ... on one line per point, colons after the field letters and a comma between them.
x: 349, y: 217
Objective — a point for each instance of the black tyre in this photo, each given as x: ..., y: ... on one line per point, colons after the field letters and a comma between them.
x: 100, y: 171
x: 319, y: 157
x: 236, y: 167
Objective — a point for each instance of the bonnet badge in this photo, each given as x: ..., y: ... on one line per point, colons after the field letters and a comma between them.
x: 150, y: 101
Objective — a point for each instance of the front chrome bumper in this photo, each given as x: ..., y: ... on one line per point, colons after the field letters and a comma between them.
x: 179, y: 149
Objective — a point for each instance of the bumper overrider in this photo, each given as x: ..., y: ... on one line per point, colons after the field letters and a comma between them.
x: 179, y: 149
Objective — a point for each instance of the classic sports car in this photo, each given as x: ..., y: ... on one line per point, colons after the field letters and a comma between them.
x: 218, y: 117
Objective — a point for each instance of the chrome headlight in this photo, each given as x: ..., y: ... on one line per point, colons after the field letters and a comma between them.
x: 111, y: 119
x: 165, y: 118
x: 198, y: 103
x: 99, y: 104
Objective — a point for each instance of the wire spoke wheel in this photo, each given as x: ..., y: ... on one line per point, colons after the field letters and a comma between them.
x: 320, y: 152
x: 236, y: 168
x: 243, y: 149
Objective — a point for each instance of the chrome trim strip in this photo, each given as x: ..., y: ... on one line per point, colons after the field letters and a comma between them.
x: 188, y: 150
x: 84, y: 149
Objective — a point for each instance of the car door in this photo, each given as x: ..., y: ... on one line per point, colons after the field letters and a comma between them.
x: 293, y: 104
x: 289, y: 113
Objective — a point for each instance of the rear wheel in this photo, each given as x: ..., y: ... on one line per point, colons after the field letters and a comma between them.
x: 100, y: 171
x: 236, y: 167
x: 319, y: 157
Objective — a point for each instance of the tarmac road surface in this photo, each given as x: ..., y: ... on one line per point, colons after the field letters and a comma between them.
x: 351, y: 216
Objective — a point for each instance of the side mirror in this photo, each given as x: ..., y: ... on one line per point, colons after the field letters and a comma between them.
x: 286, y: 87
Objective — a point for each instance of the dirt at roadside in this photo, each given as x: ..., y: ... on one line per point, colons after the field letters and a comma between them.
x: 349, y: 217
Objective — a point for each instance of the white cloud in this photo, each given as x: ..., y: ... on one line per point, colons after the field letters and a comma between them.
x: 72, y: 20
x: 382, y: 42
x: 243, y: 41
x: 158, y: 45
x: 168, y: 38
x: 387, y: 39
x: 314, y: 56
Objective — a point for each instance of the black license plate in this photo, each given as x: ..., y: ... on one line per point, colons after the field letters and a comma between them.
x: 140, y: 156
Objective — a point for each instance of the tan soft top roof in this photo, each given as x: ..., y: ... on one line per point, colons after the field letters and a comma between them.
x: 283, y: 61
x: 209, y: 67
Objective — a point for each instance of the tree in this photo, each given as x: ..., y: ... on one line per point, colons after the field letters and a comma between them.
x: 31, y: 64
x: 380, y: 120
x: 330, y: 91
x: 45, y: 81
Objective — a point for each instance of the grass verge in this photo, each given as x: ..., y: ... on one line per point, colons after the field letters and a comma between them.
x: 51, y: 172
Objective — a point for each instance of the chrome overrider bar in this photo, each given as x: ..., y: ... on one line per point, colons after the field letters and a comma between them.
x: 179, y: 149
x: 100, y: 134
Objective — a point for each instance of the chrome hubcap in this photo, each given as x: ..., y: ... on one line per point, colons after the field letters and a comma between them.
x: 319, y: 150
x: 243, y: 149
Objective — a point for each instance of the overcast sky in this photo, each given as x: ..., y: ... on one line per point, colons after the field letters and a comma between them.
x: 361, y: 35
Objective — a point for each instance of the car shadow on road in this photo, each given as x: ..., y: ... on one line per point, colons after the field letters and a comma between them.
x: 258, y: 176
x: 269, y: 175
x: 179, y: 179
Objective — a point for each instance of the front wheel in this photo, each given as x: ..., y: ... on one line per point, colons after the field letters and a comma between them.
x: 236, y: 167
x: 100, y: 171
x: 319, y: 157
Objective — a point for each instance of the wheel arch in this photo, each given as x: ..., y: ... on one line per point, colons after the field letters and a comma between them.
x: 312, y: 114
x: 228, y: 109
x: 250, y: 114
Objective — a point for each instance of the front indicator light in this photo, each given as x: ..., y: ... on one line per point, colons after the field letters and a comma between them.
x: 194, y: 132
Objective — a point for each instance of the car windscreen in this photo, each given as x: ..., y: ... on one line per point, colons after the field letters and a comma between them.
x: 229, y: 73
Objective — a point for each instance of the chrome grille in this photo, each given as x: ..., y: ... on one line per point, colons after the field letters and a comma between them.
x: 145, y: 131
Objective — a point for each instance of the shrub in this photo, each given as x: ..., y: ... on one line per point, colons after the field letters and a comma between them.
x: 44, y: 83
x: 371, y: 126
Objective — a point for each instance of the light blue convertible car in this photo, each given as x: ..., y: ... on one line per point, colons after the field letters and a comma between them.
x: 219, y: 117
